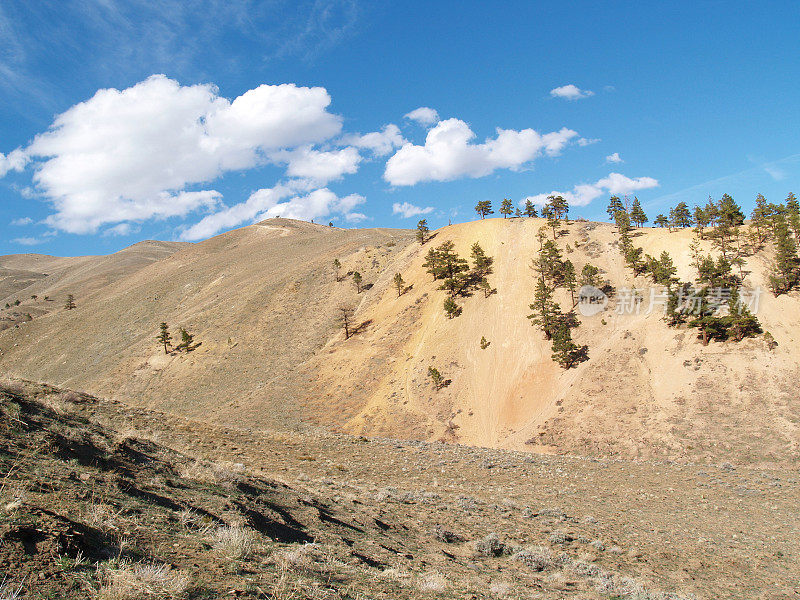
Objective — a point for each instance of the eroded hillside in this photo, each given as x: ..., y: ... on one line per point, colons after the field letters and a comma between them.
x: 264, y: 304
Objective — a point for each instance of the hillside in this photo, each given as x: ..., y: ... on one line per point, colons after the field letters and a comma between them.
x: 263, y: 302
x: 104, y: 501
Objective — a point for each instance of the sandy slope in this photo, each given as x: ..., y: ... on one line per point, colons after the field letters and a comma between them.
x: 263, y: 302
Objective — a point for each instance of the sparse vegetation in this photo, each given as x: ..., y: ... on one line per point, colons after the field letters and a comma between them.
x: 68, y: 305
x: 422, y: 231
x: 164, y: 337
x: 399, y: 284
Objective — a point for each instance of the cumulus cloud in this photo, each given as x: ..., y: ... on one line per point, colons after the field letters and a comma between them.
x: 16, y: 160
x: 318, y: 167
x: 423, y: 115
x: 380, y: 143
x: 570, y: 92
x: 408, y: 210
x: 129, y: 154
x: 448, y: 153
x: 279, y: 201
x: 615, y: 184
x: 614, y: 158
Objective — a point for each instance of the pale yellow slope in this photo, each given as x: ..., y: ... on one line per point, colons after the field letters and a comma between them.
x: 640, y: 394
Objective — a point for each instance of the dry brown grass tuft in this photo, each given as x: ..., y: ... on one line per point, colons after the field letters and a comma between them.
x: 131, y: 581
x: 235, y: 542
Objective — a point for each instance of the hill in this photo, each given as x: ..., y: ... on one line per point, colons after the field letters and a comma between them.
x: 263, y: 302
x: 100, y: 500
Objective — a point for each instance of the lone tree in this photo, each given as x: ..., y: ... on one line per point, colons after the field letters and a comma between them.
x: 436, y: 377
x: 422, y: 231
x: 357, y: 280
x: 483, y: 208
x: 164, y: 337
x: 484, y: 343
x: 70, y: 303
x: 530, y: 209
x: 451, y: 309
x: 506, y: 208
x: 399, y: 284
x: 346, y: 319
x: 187, y: 340
x: 336, y: 268
x: 638, y: 215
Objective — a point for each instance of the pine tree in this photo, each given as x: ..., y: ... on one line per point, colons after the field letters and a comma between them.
x: 661, y: 221
x: 70, y: 303
x: 337, y: 265
x: 432, y: 263
x: 346, y: 319
x: 712, y: 212
x: 357, y: 281
x: 560, y: 207
x: 729, y: 217
x: 759, y: 219
x: 436, y: 378
x: 399, y: 284
x: 483, y: 208
x: 784, y: 274
x: 451, y: 309
x: 638, y: 215
x: 484, y: 343
x: 614, y: 206
x: 590, y: 275
x: 793, y: 215
x: 422, y: 231
x: 552, y: 219
x: 550, y: 265
x: 682, y: 216
x: 186, y: 341
x: 530, y: 209
x: 565, y: 351
x: 506, y: 207
x: 570, y: 280
x: 482, y: 264
x: 701, y: 221
x: 164, y: 337
x: 452, y: 268
x: 517, y: 213
x: 544, y: 309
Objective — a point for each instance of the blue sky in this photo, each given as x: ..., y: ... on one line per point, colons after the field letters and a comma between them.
x: 121, y: 122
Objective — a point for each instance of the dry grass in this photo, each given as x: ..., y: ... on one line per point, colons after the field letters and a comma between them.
x: 235, y: 542
x: 222, y: 474
x: 131, y: 581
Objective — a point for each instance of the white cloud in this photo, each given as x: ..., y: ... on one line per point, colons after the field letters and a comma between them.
x: 614, y: 158
x: 423, y: 115
x: 448, y: 153
x: 570, y: 92
x: 16, y: 160
x: 615, y: 184
x: 129, y: 154
x: 120, y: 229
x: 27, y: 241
x: 587, y: 141
x: 318, y: 167
x: 380, y: 143
x: 22, y: 221
x: 279, y: 201
x: 408, y: 210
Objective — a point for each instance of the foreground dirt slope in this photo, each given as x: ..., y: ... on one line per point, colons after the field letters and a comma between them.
x: 258, y: 299
x: 90, y: 509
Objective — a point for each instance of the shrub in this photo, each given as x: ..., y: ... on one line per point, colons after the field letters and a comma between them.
x: 538, y: 558
x: 143, y: 581
x: 491, y: 545
x: 235, y: 542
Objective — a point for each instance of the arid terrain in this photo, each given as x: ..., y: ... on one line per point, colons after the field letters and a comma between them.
x: 280, y: 460
x: 159, y: 506
x: 263, y: 303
